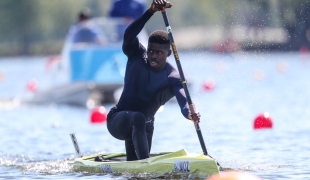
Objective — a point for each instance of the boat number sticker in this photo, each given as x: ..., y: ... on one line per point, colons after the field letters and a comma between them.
x: 181, y: 166
x: 106, y: 168
x: 143, y: 161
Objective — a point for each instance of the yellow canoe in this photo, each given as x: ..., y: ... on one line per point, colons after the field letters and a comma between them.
x: 196, y: 165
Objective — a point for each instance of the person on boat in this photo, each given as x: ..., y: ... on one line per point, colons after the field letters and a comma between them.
x: 131, y: 9
x: 128, y: 10
x: 150, y: 81
x: 85, y: 32
x: 82, y: 33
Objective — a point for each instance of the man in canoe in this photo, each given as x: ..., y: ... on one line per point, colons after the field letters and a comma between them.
x: 150, y: 81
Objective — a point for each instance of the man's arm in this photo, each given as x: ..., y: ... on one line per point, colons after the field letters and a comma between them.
x: 131, y: 42
x: 181, y: 98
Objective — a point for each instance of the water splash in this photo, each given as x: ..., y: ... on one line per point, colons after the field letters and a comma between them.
x: 47, y: 167
x: 28, y: 165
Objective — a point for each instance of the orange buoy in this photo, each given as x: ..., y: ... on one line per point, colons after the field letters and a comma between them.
x: 258, y: 75
x: 263, y: 120
x: 208, y: 85
x: 98, y: 115
x: 233, y: 175
x: 32, y: 85
x: 282, y: 67
x: 2, y: 76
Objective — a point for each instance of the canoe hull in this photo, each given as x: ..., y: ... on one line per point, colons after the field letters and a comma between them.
x: 179, y: 161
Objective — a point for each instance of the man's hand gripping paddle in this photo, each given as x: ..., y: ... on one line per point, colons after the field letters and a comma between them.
x: 189, y: 100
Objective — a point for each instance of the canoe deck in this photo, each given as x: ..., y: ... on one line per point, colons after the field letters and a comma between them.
x: 180, y: 161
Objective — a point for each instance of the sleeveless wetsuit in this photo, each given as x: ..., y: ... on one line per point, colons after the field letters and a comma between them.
x: 145, y: 90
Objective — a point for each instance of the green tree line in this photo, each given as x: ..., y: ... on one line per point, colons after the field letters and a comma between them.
x: 38, y: 27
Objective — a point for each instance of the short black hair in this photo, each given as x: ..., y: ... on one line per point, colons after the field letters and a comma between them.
x: 84, y: 14
x: 160, y: 37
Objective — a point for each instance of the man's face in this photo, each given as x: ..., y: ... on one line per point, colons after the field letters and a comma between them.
x: 157, y: 55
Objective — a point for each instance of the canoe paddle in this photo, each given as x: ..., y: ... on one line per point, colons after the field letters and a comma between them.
x: 189, y: 100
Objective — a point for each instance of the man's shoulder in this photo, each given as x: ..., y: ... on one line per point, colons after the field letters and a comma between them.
x: 170, y: 68
x: 140, y: 55
x: 173, y: 74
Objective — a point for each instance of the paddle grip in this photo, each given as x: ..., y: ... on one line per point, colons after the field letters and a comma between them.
x: 167, y: 5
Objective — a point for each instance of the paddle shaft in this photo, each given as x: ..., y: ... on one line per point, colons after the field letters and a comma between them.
x: 76, y: 146
x: 189, y: 100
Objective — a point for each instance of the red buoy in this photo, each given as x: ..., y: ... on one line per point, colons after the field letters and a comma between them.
x: 98, y: 115
x: 32, y: 85
x: 208, y: 85
x: 263, y: 120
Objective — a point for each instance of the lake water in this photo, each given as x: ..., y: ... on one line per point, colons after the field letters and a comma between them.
x: 35, y: 142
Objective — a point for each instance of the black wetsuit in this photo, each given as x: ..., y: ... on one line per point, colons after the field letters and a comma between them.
x: 145, y: 90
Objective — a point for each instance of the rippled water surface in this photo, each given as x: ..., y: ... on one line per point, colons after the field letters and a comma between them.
x: 35, y: 142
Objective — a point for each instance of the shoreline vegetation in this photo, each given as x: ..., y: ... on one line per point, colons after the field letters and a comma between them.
x: 34, y: 27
